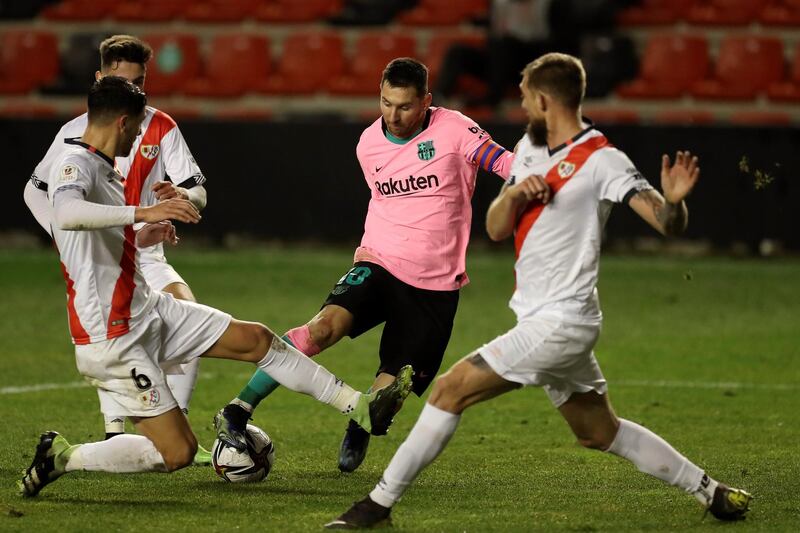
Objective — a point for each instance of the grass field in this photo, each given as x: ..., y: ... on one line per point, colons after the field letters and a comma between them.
x: 702, y: 351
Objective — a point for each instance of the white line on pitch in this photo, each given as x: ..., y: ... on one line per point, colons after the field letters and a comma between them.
x: 619, y: 383
x: 703, y: 384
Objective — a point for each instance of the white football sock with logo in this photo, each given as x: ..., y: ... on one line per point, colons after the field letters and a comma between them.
x: 653, y: 455
x: 121, y: 455
x: 295, y: 371
x: 426, y: 441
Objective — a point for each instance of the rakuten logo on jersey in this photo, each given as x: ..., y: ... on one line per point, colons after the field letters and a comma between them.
x: 409, y: 185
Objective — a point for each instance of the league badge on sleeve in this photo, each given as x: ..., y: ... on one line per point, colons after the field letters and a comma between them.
x: 68, y: 173
x: 425, y: 150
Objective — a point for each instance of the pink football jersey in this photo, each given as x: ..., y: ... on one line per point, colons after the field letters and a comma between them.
x: 420, y: 212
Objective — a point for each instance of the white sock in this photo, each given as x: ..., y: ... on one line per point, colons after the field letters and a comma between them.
x: 122, y: 454
x: 114, y: 423
x: 182, y: 385
x: 426, y: 441
x: 653, y: 455
x: 295, y: 371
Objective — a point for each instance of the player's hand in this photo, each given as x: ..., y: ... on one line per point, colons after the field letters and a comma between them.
x: 678, y: 180
x: 164, y: 190
x: 530, y: 189
x: 172, y: 209
x: 151, y: 234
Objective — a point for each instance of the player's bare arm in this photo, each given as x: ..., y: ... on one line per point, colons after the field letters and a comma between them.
x: 668, y: 213
x: 512, y: 200
x: 173, y: 209
x: 152, y: 234
x: 164, y: 190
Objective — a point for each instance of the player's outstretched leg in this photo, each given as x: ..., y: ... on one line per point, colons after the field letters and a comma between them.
x: 52, y: 454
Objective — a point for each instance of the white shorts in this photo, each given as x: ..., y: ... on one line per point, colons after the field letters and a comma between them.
x: 547, y: 352
x: 156, y: 271
x: 129, y: 371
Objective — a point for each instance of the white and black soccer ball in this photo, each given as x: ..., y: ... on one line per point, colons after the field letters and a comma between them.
x: 248, y: 466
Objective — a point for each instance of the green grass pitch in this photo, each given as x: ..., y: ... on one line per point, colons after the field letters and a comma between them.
x: 702, y: 351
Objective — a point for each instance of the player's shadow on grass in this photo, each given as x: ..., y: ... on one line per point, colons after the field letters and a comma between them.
x: 266, y: 487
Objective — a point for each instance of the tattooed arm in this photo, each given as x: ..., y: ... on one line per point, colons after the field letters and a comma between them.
x: 668, y: 213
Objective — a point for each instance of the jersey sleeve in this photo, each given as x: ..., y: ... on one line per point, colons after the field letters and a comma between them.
x: 617, y: 178
x: 42, y: 172
x: 478, y: 147
x: 69, y: 175
x: 179, y: 164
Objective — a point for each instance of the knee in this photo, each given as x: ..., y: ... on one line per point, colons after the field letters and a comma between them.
x: 324, y: 330
x: 447, y: 394
x: 180, y: 455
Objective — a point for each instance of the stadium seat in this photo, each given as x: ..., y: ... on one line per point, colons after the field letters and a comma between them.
x: 788, y: 90
x: 149, y: 10
x: 27, y: 110
x: 654, y: 12
x: 292, y: 11
x: 79, y: 10
x: 234, y: 65
x: 746, y: 65
x: 438, y: 46
x: 781, y: 13
x: 176, y: 58
x: 684, y: 117
x: 443, y: 12
x: 761, y: 118
x: 308, y: 62
x: 725, y: 12
x: 372, y: 52
x: 220, y: 11
x: 28, y: 59
x: 669, y: 66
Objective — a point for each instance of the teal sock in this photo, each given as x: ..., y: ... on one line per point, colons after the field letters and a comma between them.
x: 260, y: 385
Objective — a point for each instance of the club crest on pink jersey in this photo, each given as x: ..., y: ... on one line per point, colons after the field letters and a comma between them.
x: 425, y: 150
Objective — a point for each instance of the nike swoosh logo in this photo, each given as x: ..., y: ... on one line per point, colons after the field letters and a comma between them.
x: 378, y: 169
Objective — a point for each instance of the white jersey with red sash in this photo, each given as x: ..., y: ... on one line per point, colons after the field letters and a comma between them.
x: 106, y: 294
x: 558, y: 244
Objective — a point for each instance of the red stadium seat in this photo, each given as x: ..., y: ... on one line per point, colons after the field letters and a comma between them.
x: 746, y: 65
x: 176, y: 58
x: 149, y: 10
x: 308, y: 62
x: 761, y: 118
x: 292, y: 11
x: 28, y: 59
x: 79, y: 10
x: 671, y: 64
x: 235, y: 64
x: 684, y: 116
x: 438, y: 47
x: 781, y: 13
x: 788, y: 90
x: 372, y: 52
x: 725, y: 12
x: 216, y: 11
x: 444, y: 12
x: 655, y: 12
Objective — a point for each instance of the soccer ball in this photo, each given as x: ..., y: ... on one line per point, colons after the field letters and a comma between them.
x: 248, y: 466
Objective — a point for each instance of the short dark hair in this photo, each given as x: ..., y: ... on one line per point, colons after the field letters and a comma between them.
x: 124, y: 48
x: 560, y: 76
x: 111, y: 96
x: 406, y: 72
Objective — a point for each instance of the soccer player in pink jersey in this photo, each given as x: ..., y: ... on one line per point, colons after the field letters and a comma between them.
x: 420, y: 164
x: 126, y: 334
x: 565, y: 179
x: 160, y: 167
